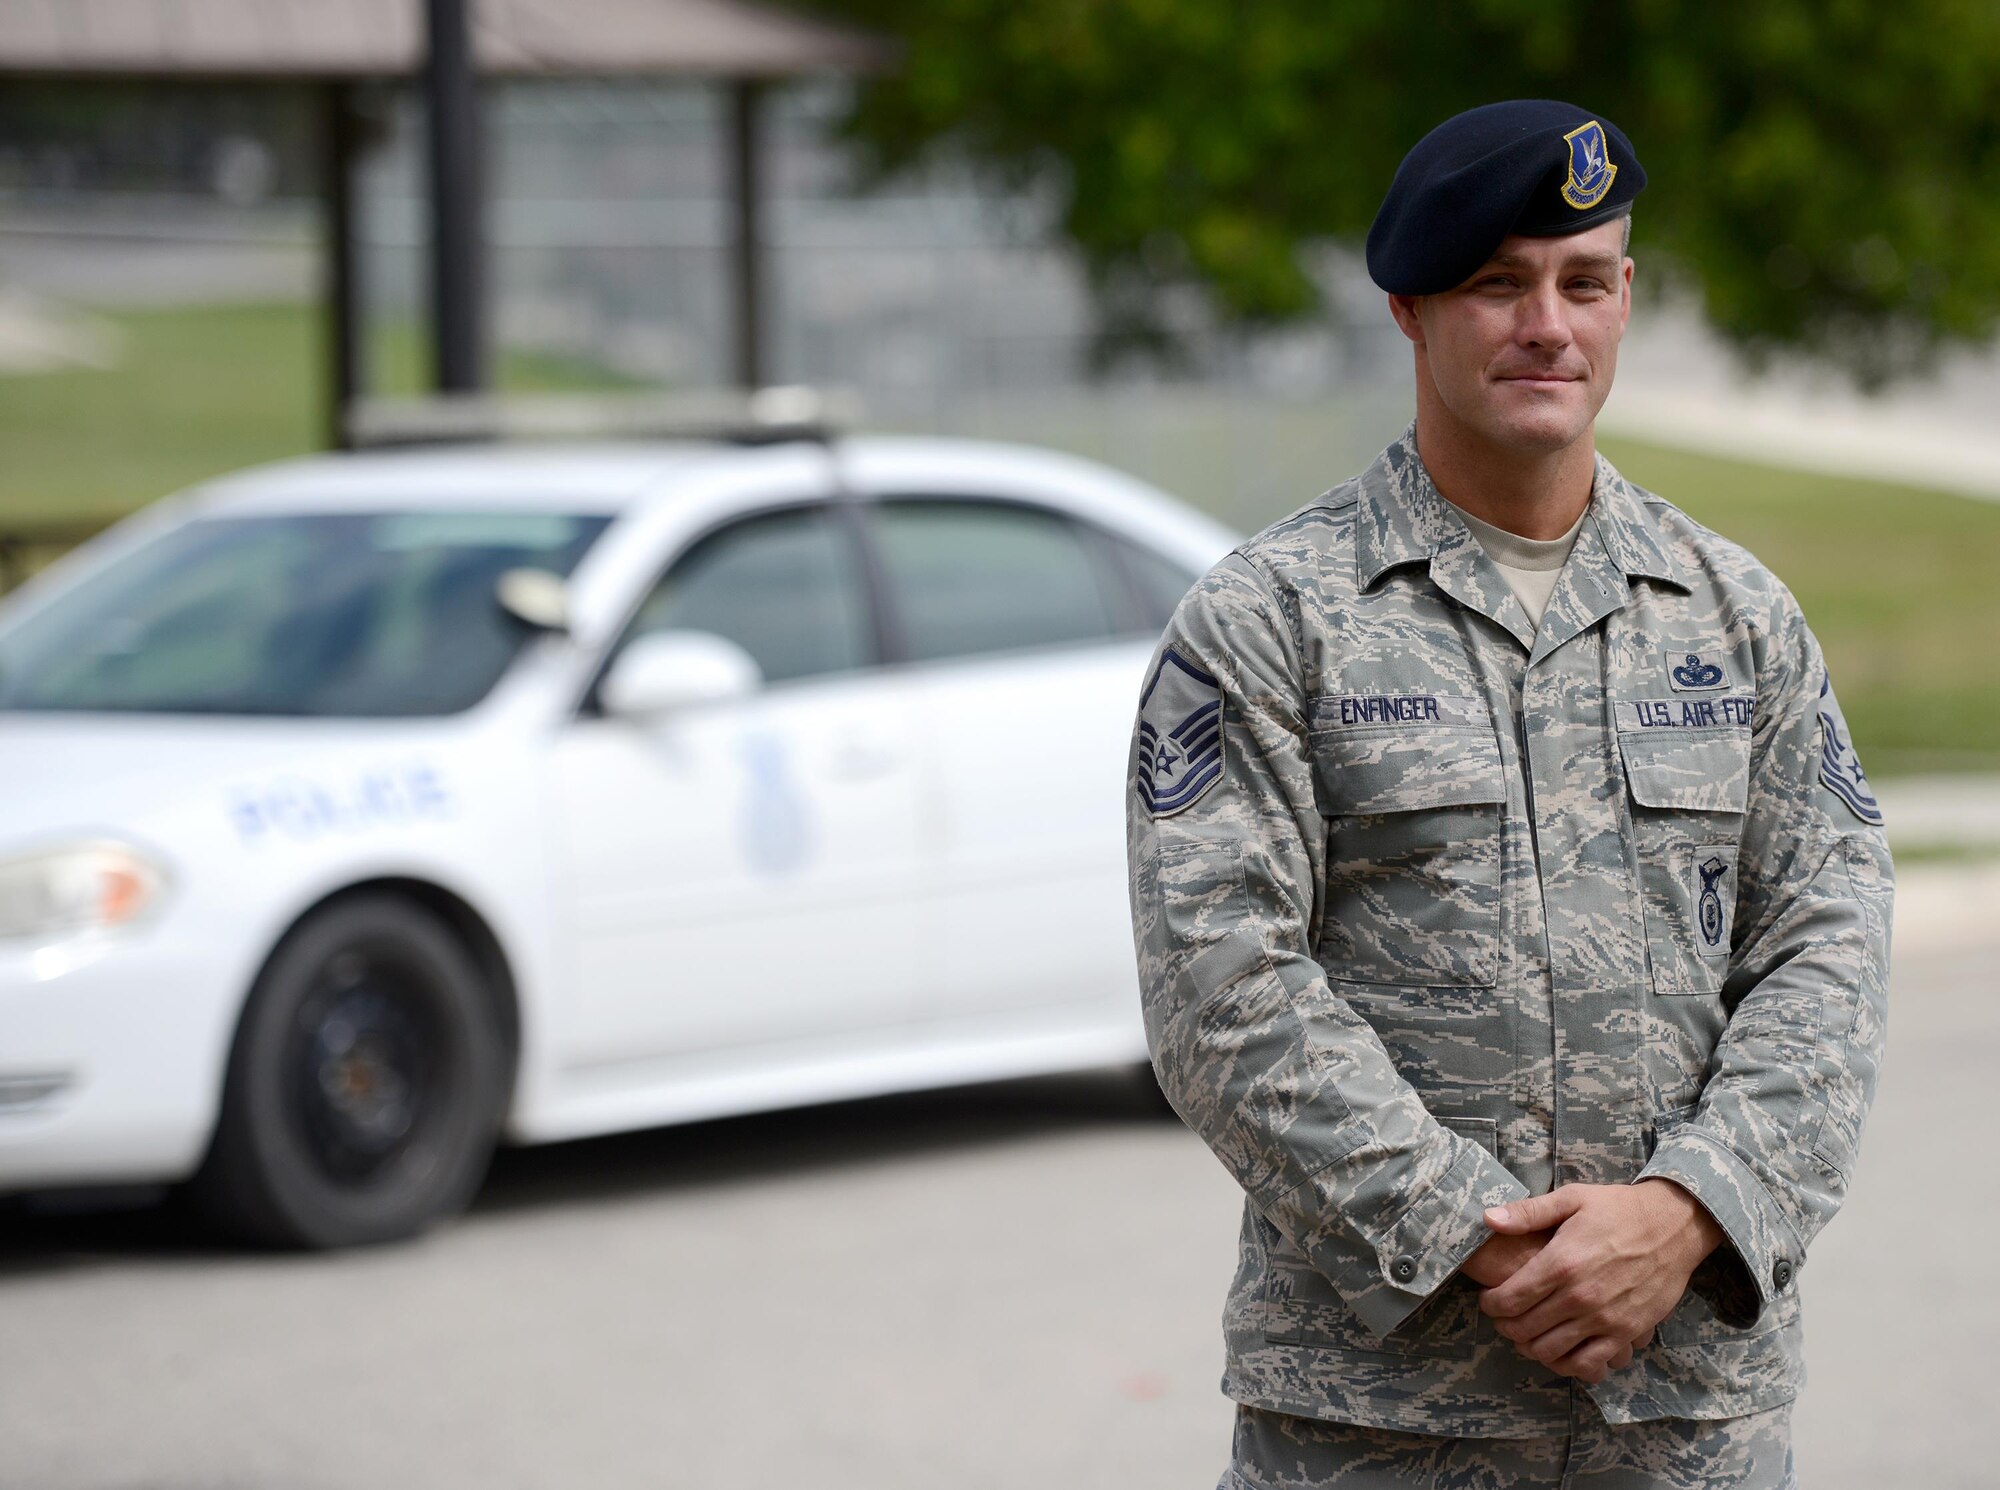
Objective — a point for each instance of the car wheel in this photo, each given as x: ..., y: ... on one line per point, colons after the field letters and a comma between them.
x: 1146, y: 1087
x: 365, y: 1087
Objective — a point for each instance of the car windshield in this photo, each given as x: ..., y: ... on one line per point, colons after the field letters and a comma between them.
x: 362, y: 615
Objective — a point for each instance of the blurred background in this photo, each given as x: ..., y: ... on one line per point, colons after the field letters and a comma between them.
x: 1126, y: 230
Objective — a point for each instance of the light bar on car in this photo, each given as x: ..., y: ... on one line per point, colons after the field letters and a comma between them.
x: 744, y: 416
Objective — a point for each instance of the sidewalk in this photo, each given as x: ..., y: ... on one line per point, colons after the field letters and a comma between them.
x: 1834, y: 435
x: 1954, y: 903
x: 1679, y: 385
x: 1946, y: 907
x: 1941, y: 811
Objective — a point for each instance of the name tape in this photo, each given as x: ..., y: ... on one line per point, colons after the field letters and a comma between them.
x: 1370, y: 710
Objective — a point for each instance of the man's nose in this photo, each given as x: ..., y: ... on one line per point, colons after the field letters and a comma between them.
x: 1541, y: 321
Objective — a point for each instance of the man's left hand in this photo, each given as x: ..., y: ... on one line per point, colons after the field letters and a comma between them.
x: 1617, y: 1264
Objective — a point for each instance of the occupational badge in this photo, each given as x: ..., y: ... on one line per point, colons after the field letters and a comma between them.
x: 1180, y: 736
x: 1694, y: 672
x: 1711, y: 869
x: 1712, y: 888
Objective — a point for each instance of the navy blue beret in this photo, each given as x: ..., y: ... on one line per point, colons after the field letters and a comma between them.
x: 1530, y: 165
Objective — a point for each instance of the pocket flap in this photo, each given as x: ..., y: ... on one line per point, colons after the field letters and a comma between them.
x: 1483, y: 1131
x: 1708, y: 772
x: 1407, y: 770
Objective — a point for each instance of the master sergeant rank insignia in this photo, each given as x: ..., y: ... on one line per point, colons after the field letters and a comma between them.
x: 1839, y: 767
x: 1180, y: 736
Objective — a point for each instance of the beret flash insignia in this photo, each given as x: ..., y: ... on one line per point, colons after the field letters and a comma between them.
x: 1590, y: 169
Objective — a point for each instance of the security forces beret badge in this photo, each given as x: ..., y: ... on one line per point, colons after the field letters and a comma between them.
x: 1590, y: 169
x: 1839, y: 767
x: 1538, y: 167
x: 1180, y: 736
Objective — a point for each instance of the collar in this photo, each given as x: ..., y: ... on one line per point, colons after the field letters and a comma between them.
x: 1402, y: 518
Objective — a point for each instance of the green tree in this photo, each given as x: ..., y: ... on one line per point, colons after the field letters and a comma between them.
x: 1826, y: 173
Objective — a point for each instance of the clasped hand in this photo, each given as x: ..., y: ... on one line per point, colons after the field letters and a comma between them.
x: 1578, y: 1278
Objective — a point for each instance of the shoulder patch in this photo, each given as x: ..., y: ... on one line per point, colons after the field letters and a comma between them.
x: 1839, y: 767
x: 1180, y: 736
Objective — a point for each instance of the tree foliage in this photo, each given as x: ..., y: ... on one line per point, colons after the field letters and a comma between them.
x: 1825, y: 172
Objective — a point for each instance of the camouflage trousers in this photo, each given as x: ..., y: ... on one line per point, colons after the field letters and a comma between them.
x: 1274, y: 1451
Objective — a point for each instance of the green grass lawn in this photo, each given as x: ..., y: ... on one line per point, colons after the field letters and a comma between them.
x: 1902, y: 585
x: 199, y: 391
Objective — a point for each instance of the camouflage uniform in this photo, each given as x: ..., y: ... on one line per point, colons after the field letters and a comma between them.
x: 1751, y: 1452
x: 1435, y: 910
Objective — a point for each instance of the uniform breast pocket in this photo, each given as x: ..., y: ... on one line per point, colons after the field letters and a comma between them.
x: 1688, y: 792
x: 1413, y: 855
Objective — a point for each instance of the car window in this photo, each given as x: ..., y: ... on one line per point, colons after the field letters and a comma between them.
x: 966, y: 576
x: 784, y: 586
x: 338, y: 614
x: 1159, y: 582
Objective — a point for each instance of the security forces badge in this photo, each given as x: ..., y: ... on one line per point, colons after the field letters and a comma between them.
x: 1839, y: 767
x: 1714, y: 889
x: 1180, y: 736
x: 1590, y: 169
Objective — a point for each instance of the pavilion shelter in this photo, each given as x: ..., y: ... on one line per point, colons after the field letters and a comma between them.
x: 335, y: 47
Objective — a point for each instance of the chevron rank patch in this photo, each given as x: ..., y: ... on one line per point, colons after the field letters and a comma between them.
x: 1180, y: 736
x: 1839, y: 767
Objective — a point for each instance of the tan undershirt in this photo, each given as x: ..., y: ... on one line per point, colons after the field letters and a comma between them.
x: 1529, y: 565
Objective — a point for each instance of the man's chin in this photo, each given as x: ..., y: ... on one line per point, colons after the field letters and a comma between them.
x: 1556, y: 425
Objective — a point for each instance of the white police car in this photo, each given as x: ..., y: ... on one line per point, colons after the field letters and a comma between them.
x: 321, y: 867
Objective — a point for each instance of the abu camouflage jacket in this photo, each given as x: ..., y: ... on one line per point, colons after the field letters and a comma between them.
x: 1434, y: 911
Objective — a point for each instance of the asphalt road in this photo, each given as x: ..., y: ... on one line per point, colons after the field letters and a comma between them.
x: 1012, y: 1286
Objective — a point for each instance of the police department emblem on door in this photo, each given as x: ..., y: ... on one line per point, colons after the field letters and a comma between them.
x: 1179, y: 737
x: 1590, y: 169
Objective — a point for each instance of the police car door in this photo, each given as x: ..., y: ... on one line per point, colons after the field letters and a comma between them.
x: 1028, y: 671
x: 735, y: 872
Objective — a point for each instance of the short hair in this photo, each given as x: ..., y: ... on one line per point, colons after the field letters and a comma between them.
x: 1625, y: 243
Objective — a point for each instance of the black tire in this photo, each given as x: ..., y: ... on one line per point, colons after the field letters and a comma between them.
x: 365, y: 1086
x: 1146, y: 1087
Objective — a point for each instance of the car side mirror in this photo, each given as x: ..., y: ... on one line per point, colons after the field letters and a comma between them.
x: 669, y: 670
x: 535, y: 597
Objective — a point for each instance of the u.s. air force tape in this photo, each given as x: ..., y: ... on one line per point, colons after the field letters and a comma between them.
x: 1180, y: 736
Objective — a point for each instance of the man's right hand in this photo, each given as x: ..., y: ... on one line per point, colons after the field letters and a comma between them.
x: 1501, y: 1256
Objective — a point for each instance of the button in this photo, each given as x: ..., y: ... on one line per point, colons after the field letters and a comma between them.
x: 1403, y: 1269
x: 1781, y: 1271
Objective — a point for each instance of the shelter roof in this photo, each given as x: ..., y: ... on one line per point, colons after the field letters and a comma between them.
x: 329, y: 39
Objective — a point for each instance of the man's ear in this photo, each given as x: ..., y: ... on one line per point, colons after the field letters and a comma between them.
x: 1404, y: 309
